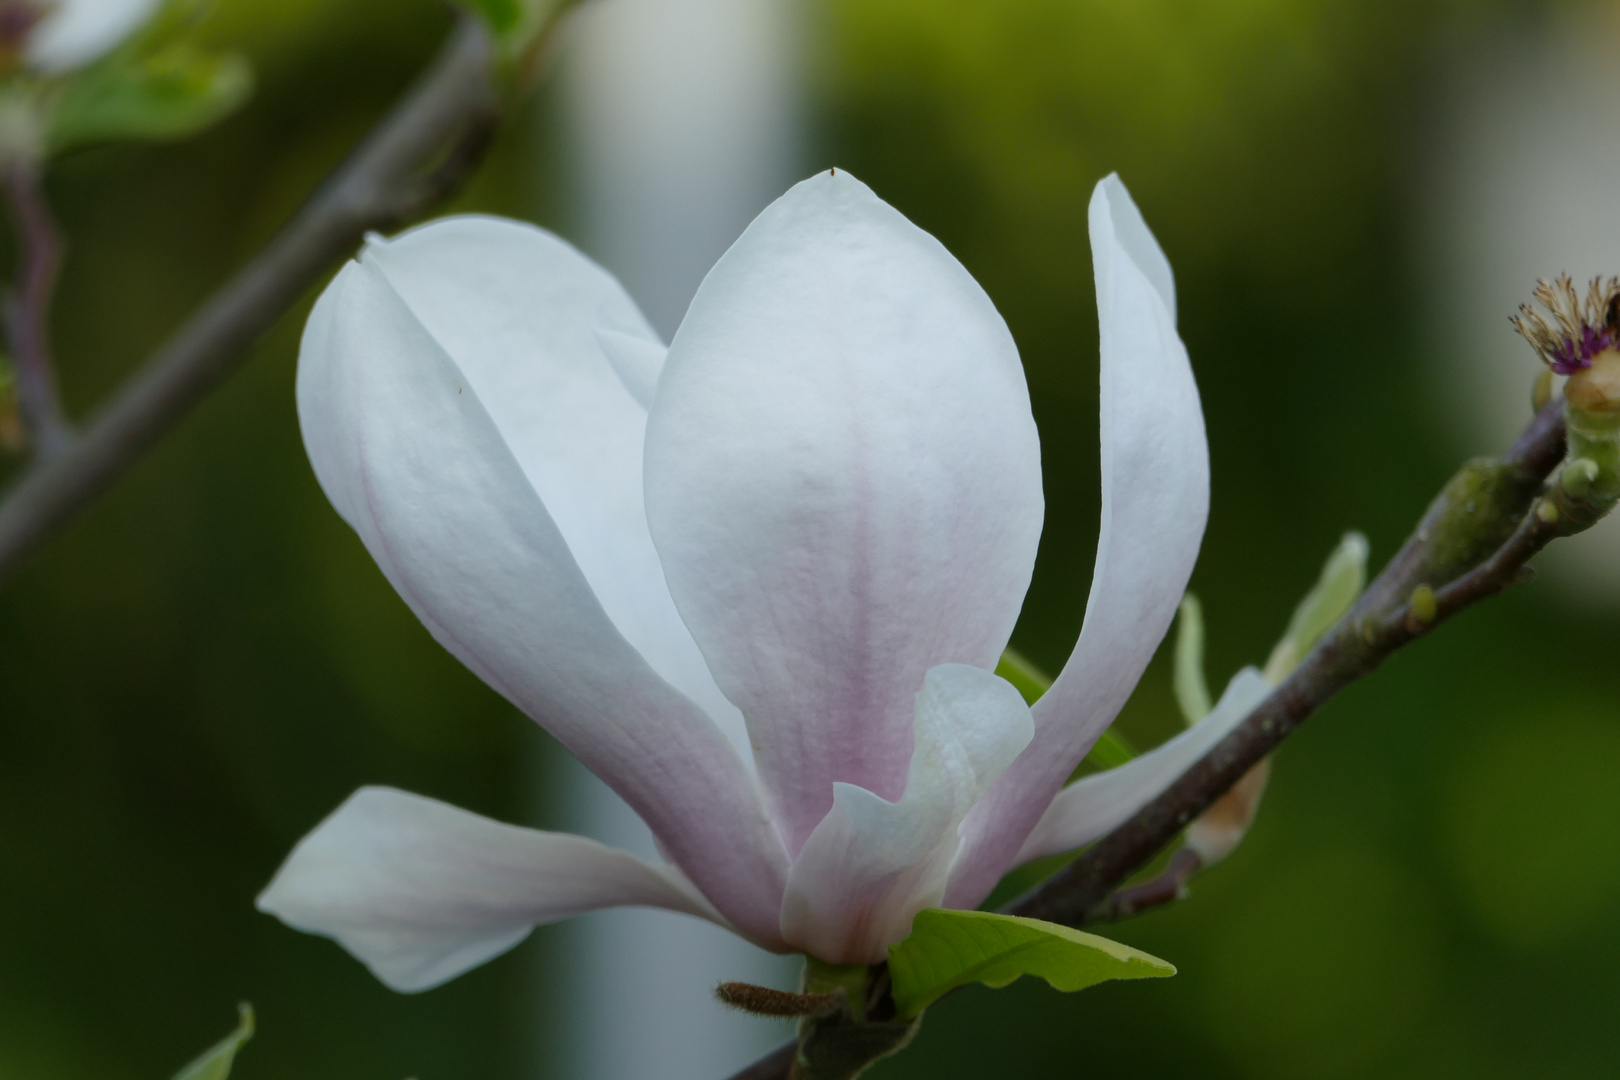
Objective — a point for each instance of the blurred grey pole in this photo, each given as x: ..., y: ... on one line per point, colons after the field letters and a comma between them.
x: 683, y: 121
x: 1520, y: 180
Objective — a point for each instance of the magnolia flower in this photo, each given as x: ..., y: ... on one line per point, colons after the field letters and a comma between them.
x: 59, y: 35
x: 757, y: 581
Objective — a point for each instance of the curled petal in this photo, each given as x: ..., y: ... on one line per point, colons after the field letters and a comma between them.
x: 420, y: 891
x: 406, y: 450
x: 843, y: 480
x: 1155, y: 483
x: 871, y: 865
x: 1093, y: 806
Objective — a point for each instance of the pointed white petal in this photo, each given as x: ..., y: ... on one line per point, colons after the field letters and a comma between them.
x: 421, y: 891
x: 407, y: 451
x: 1089, y: 808
x: 871, y: 865
x: 75, y: 32
x: 565, y: 364
x: 1155, y: 476
x: 843, y: 479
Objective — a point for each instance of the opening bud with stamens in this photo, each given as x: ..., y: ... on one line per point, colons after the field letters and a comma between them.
x: 1580, y: 338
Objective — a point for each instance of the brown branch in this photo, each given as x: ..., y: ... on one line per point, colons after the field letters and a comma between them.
x: 1168, y: 887
x: 1472, y: 543
x: 28, y: 308
x: 423, y: 150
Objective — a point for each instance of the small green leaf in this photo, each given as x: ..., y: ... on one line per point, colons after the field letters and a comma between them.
x: 1026, y: 678
x: 215, y: 1062
x: 1192, y: 693
x: 169, y: 94
x: 948, y: 949
x: 1343, y: 577
x: 1111, y: 750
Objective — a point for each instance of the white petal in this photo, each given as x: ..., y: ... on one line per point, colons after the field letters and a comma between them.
x: 843, y: 479
x: 529, y: 321
x: 421, y: 891
x: 1091, y: 807
x: 871, y: 865
x: 75, y: 32
x: 408, y: 453
x: 1155, y: 484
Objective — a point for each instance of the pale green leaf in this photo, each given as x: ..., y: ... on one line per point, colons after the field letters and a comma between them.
x: 168, y: 94
x: 1192, y: 693
x: 948, y: 949
x: 1026, y: 678
x: 1343, y: 577
x: 215, y: 1062
x: 1111, y: 750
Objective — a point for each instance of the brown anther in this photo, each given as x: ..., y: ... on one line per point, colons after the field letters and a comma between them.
x: 1574, y: 323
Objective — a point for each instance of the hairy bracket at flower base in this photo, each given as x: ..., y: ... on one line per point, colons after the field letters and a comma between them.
x: 757, y: 580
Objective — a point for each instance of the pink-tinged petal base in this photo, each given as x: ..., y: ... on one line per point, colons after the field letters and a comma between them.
x: 871, y: 865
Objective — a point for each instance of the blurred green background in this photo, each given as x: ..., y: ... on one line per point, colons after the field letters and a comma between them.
x: 208, y: 662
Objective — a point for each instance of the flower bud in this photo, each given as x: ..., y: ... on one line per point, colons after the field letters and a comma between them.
x: 1581, y: 339
x: 1595, y: 389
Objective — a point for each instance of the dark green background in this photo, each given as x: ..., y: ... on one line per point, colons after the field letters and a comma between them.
x: 205, y: 664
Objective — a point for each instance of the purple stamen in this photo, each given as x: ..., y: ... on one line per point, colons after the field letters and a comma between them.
x: 1572, y: 356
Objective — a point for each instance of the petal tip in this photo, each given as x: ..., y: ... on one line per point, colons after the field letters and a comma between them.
x: 1114, y: 216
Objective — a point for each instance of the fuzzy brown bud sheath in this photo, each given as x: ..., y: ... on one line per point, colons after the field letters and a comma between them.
x: 764, y: 1001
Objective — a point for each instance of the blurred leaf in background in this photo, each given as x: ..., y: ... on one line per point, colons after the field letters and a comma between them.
x: 215, y: 1062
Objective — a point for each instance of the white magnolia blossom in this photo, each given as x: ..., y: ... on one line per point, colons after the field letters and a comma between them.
x: 72, y: 33
x: 757, y: 581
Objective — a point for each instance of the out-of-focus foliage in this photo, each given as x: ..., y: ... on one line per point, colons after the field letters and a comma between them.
x: 159, y: 85
x: 215, y: 1062
x: 948, y: 949
x: 171, y: 93
x: 208, y: 662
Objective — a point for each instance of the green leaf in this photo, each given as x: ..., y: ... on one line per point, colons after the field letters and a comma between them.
x: 1026, y: 678
x: 168, y: 94
x: 1343, y: 577
x: 1111, y: 750
x: 215, y: 1062
x: 948, y: 949
x: 1192, y: 693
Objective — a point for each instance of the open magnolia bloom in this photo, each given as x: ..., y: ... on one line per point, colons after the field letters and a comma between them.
x: 757, y: 581
x: 71, y: 33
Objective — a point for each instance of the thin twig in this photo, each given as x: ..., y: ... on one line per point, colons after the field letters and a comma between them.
x: 1472, y: 543
x: 1485, y: 499
x: 1167, y: 888
x: 421, y: 152
x: 28, y: 308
